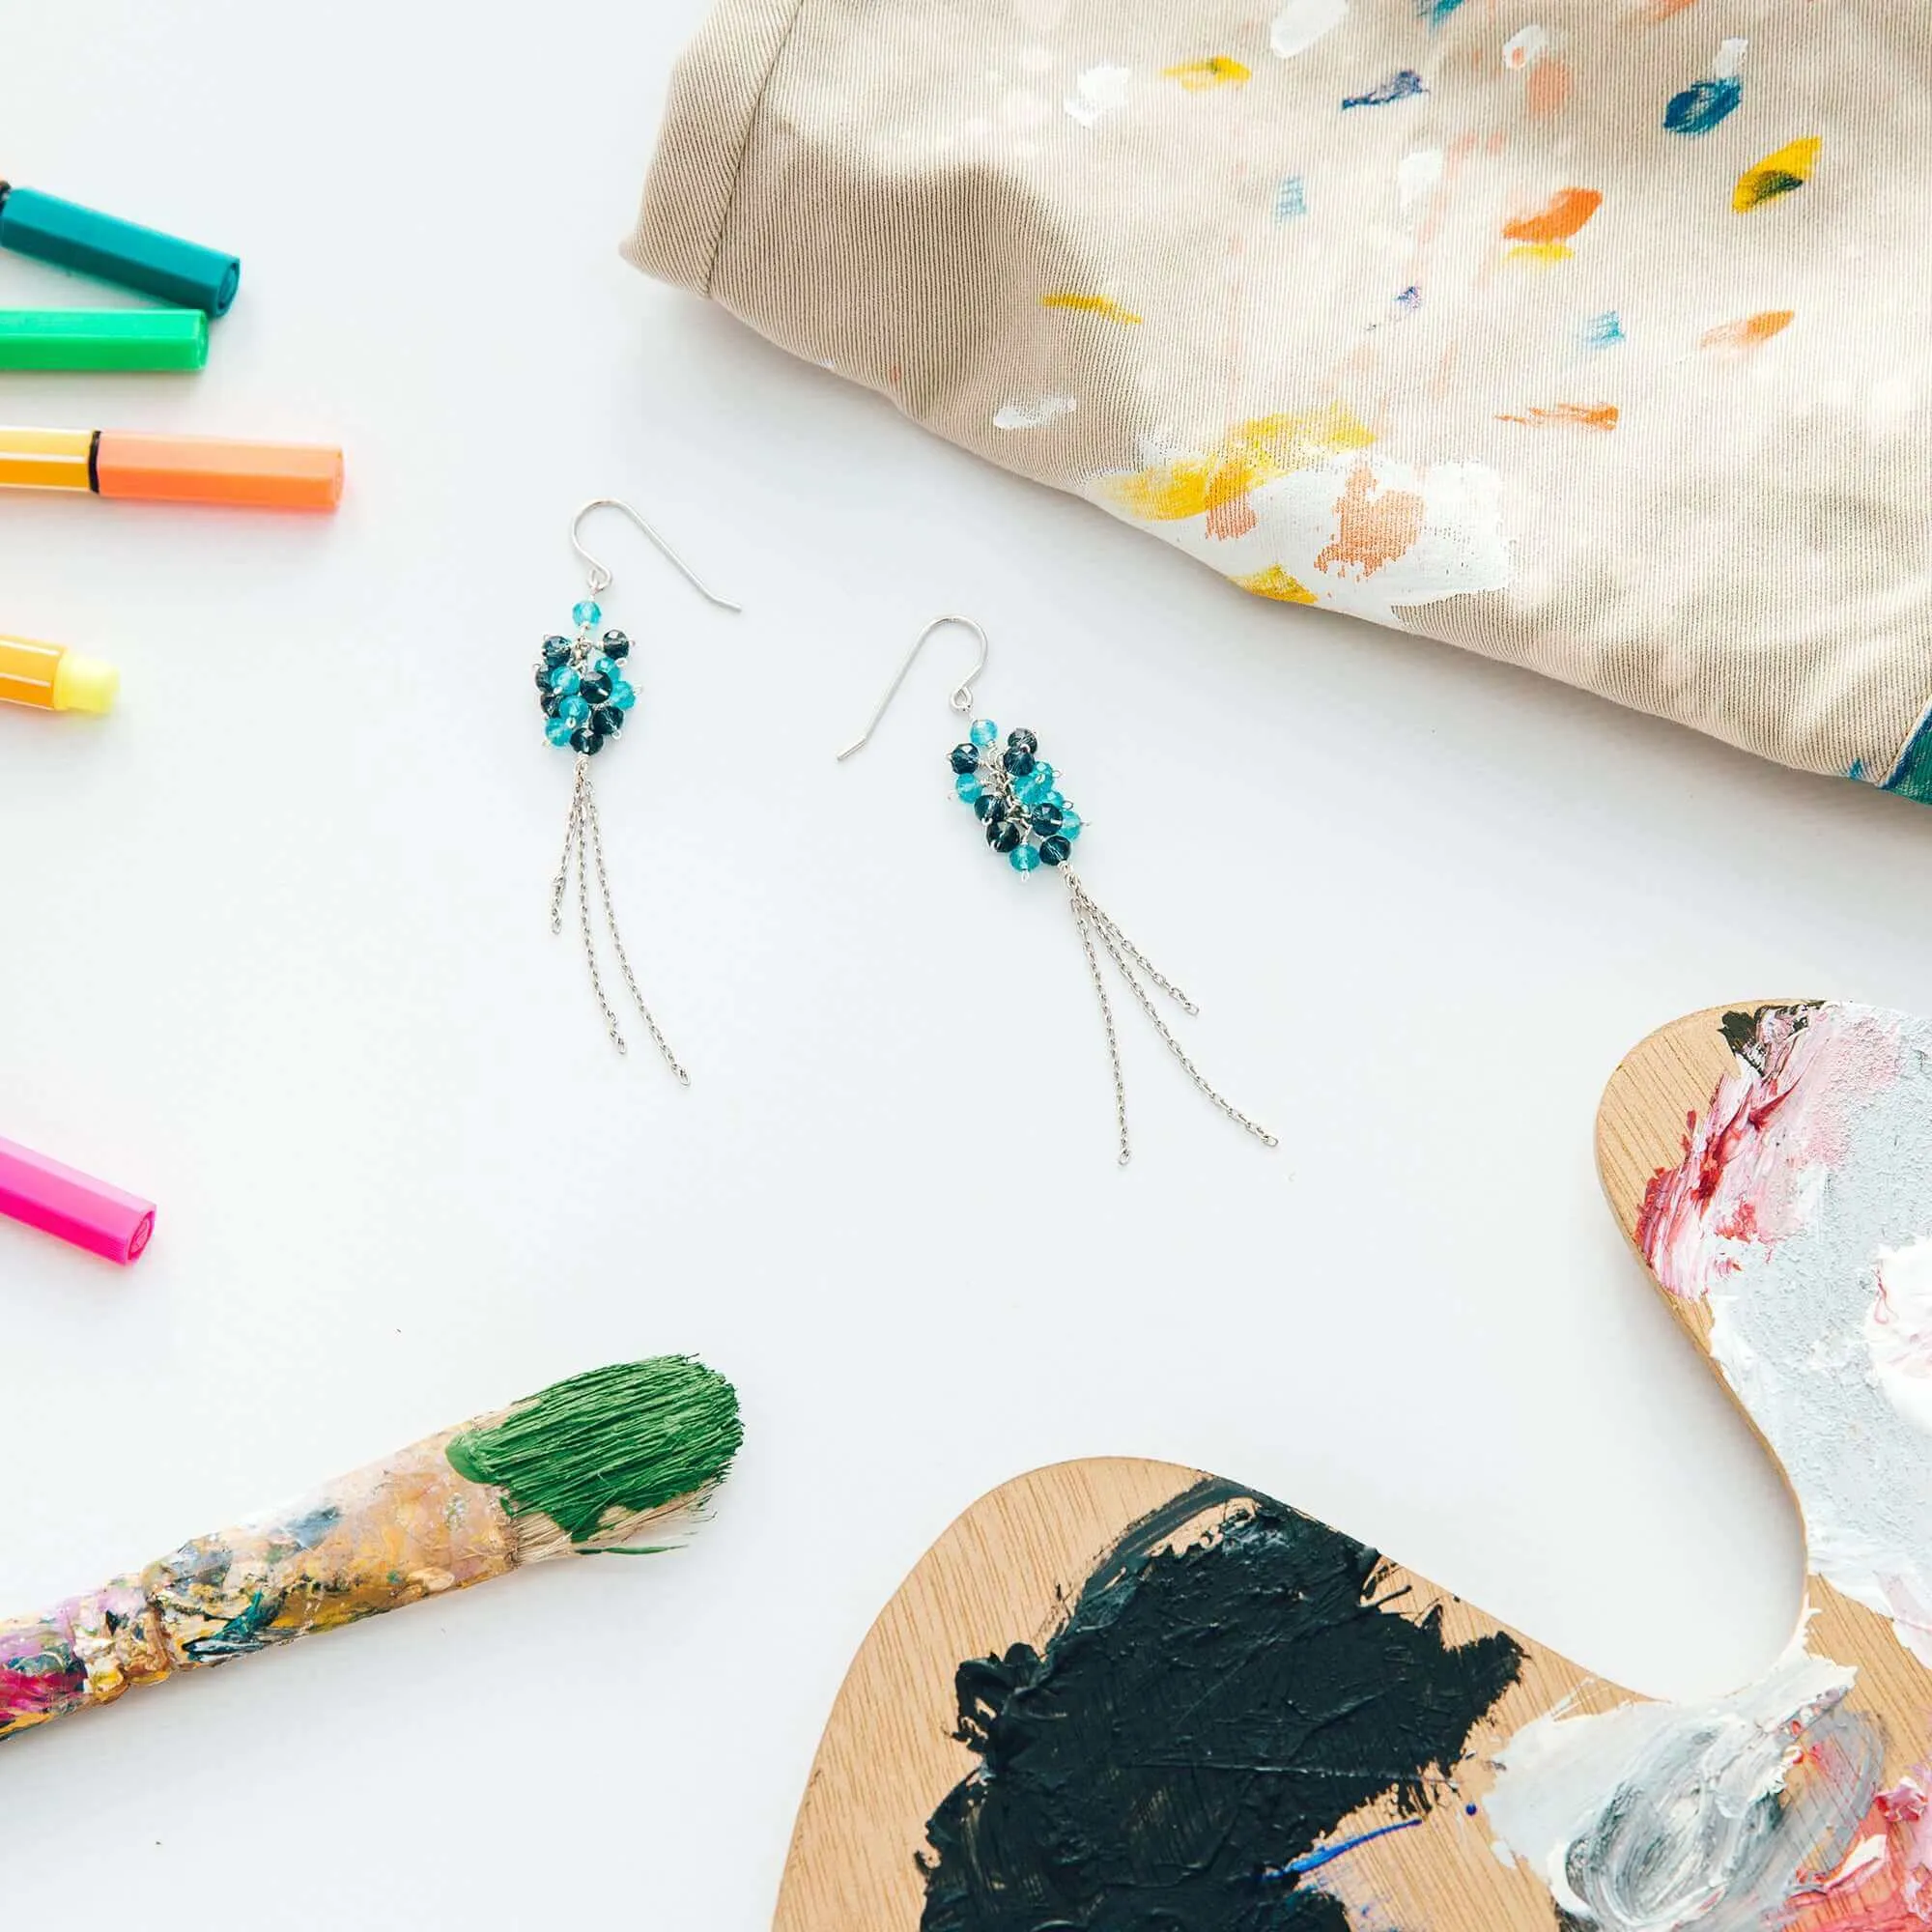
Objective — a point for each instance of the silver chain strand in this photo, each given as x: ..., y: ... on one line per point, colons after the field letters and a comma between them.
x: 1079, y: 901
x: 1120, y: 950
x: 617, y: 938
x: 584, y: 842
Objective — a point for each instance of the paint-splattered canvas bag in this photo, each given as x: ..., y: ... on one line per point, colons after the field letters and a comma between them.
x: 1589, y: 335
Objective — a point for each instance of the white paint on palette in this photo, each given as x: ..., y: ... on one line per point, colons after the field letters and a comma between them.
x: 1099, y: 92
x: 1802, y: 1214
x: 1034, y: 415
x: 1655, y: 1817
x: 1300, y: 24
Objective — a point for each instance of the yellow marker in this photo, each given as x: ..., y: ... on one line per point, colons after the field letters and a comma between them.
x: 53, y: 678
x: 46, y: 459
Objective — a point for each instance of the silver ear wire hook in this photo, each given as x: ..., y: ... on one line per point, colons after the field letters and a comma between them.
x: 601, y: 578
x: 961, y: 699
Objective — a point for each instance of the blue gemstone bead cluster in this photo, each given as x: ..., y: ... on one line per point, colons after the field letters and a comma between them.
x: 1015, y: 795
x: 581, y: 684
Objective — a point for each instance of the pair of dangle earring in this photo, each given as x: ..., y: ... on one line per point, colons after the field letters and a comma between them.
x: 1015, y: 795
x: 584, y: 685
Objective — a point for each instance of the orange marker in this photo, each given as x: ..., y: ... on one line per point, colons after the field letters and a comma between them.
x: 53, y: 678
x: 172, y: 468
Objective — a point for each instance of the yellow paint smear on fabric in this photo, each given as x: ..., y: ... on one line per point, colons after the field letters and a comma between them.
x: 1275, y: 583
x: 1251, y: 454
x: 1202, y: 76
x: 1752, y: 332
x: 1374, y: 525
x: 1790, y: 167
x: 1104, y: 306
x: 1542, y: 253
x: 1603, y: 416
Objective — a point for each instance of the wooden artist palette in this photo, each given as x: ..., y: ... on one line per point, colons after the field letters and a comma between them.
x: 1125, y: 1696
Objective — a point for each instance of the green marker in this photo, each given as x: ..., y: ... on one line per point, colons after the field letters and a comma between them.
x: 103, y: 338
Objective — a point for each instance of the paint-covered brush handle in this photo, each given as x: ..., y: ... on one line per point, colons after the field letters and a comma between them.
x: 392, y: 1534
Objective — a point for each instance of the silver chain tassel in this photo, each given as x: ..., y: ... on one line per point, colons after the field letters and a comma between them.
x: 583, y: 844
x: 1094, y: 925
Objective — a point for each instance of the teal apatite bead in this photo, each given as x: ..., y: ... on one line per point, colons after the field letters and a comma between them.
x: 559, y: 729
x: 1024, y: 858
x: 984, y: 733
x: 563, y: 680
x: 574, y: 709
x: 623, y: 695
x: 587, y: 612
x: 1069, y: 822
x: 969, y: 788
x: 607, y: 668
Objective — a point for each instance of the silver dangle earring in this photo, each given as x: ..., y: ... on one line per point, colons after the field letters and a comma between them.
x: 584, y: 687
x: 1016, y: 797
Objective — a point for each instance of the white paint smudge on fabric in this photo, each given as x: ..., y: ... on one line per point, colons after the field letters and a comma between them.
x: 1730, y: 60
x: 1300, y: 24
x: 1418, y: 175
x: 1099, y: 91
x: 1652, y: 1817
x: 1035, y: 415
x: 1803, y: 1202
x: 1460, y: 545
x: 1523, y: 49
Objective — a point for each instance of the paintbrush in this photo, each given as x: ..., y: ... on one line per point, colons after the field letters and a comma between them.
x: 616, y: 1461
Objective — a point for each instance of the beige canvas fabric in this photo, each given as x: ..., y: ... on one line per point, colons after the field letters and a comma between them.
x: 1588, y: 335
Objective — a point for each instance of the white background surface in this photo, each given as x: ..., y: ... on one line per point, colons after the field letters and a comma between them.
x: 273, y: 950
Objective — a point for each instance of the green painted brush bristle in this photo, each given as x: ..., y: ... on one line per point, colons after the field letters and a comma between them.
x: 632, y: 1438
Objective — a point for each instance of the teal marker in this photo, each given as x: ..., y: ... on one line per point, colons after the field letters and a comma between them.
x: 71, y: 237
x: 103, y: 338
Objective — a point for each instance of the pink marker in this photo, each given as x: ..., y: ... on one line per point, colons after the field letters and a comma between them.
x: 73, y: 1207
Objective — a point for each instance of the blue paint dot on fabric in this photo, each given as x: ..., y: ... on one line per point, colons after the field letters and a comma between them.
x: 1290, y: 200
x: 1409, y: 299
x: 1702, y: 105
x: 1405, y: 85
x: 1436, y: 11
x: 1603, y: 331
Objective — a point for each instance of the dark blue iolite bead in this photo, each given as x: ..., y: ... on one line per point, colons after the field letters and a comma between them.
x: 551, y: 703
x: 542, y: 676
x: 616, y: 645
x: 1056, y: 851
x: 1022, y: 741
x: 965, y: 758
x: 1017, y: 762
x: 586, y: 739
x: 596, y: 689
x: 556, y: 651
x: 991, y: 805
x: 607, y: 719
x: 1002, y: 835
x: 1046, y: 819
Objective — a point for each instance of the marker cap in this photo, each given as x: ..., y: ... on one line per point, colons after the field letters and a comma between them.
x: 73, y: 1207
x: 203, y: 469
x: 73, y: 237
x: 103, y: 338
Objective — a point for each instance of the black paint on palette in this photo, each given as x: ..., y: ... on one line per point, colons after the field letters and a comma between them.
x: 1201, y: 1720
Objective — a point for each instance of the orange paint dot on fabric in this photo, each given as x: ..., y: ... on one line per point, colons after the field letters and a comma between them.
x: 1372, y: 526
x: 1603, y: 417
x: 1557, y: 219
x: 1749, y: 334
x: 1199, y: 76
x: 1101, y: 305
x: 1779, y: 173
x: 1548, y: 89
